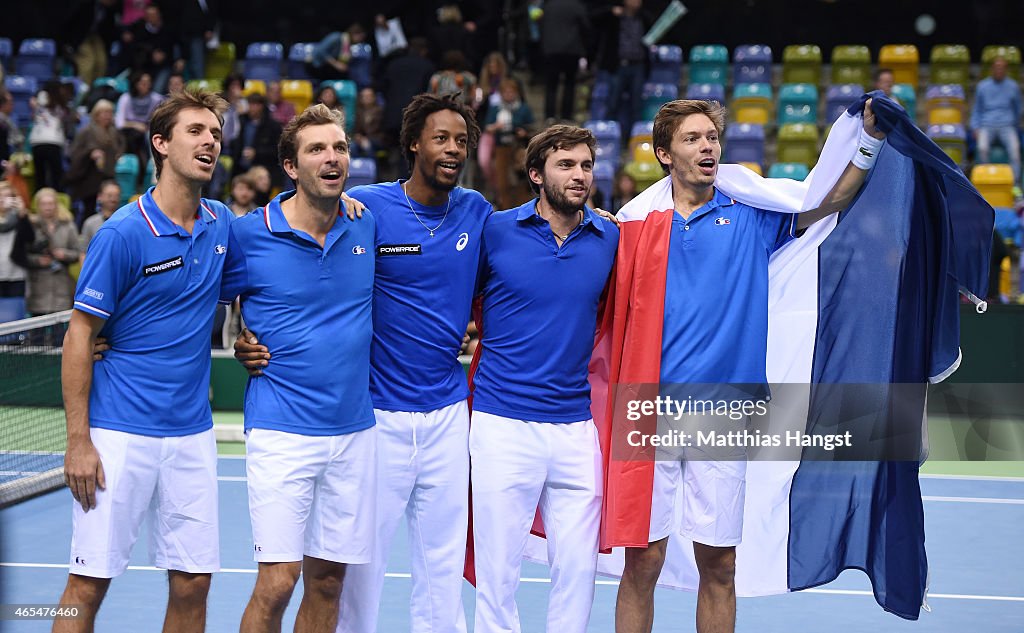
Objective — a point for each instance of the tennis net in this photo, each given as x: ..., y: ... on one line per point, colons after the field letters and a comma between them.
x: 32, y: 431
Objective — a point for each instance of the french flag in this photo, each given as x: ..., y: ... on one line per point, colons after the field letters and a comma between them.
x: 869, y: 296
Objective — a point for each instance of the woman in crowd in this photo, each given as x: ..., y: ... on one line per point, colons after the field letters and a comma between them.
x: 132, y: 114
x: 48, y: 245
x: 93, y: 156
x: 48, y: 136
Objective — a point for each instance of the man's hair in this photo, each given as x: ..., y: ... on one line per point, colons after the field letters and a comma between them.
x: 881, y: 71
x: 316, y: 114
x: 553, y: 139
x: 165, y: 116
x: 414, y: 119
x: 672, y: 114
x: 107, y: 183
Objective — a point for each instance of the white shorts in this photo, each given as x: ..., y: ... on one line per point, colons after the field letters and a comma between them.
x: 169, y: 481
x: 708, y: 505
x: 312, y: 495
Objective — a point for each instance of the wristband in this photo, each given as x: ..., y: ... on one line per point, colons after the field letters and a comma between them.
x: 867, y: 150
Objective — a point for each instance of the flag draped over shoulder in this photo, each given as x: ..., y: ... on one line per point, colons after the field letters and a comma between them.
x: 870, y: 296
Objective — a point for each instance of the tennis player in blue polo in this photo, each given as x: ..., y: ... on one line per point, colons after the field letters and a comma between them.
x: 304, y: 273
x: 544, y: 267
x: 140, y: 436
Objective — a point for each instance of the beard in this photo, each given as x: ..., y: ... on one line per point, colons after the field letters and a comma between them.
x: 559, y: 202
x: 430, y: 177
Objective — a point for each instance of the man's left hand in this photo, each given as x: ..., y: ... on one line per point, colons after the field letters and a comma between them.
x: 869, y: 122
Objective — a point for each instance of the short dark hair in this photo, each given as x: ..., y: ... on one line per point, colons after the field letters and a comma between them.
x: 881, y: 71
x: 553, y: 139
x: 414, y: 119
x: 316, y: 114
x: 672, y: 114
x: 165, y: 116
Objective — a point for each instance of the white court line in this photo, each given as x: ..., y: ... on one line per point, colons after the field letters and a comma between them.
x: 1019, y: 502
x: 838, y: 592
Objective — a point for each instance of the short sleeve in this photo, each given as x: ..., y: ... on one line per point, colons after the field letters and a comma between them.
x: 776, y: 228
x: 106, y: 275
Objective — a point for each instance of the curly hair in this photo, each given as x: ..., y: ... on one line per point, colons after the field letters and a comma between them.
x: 414, y: 119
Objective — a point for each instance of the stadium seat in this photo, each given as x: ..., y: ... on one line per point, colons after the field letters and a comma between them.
x: 346, y: 91
x: 21, y: 89
x: 795, y: 171
x: 752, y: 64
x: 754, y: 167
x: 752, y: 103
x: 12, y: 309
x: 220, y: 62
x: 149, y: 177
x: 1008, y: 225
x: 851, y: 64
x: 645, y: 173
x: 361, y: 171
x: 299, y: 92
x: 656, y: 95
x: 78, y: 86
x: 839, y: 98
x: 951, y: 139
x: 126, y: 172
x: 35, y: 58
x: 609, y: 140
x: 209, y: 85
x: 903, y: 60
x: 797, y: 143
x: 254, y: 86
x: 706, y: 92
x: 801, y: 64
x: 604, y: 178
x: 599, y: 103
x: 119, y: 84
x: 6, y: 53
x: 945, y: 104
x: 666, y: 64
x: 709, y: 64
x: 1010, y: 53
x: 995, y: 183
x: 907, y: 96
x: 798, y: 103
x: 263, y: 61
x: 298, y: 56
x: 950, y: 64
x: 744, y: 143
x: 360, y: 65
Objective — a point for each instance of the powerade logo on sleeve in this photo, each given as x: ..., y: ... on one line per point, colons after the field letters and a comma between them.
x: 399, y: 249
x: 162, y: 267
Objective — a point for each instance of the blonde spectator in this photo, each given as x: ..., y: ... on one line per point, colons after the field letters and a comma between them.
x: 260, y: 178
x: 51, y: 248
x: 93, y: 155
x: 12, y: 210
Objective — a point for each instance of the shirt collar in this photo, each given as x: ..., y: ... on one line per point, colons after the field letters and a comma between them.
x: 160, y: 225
x: 276, y: 222
x: 719, y: 199
x: 529, y: 210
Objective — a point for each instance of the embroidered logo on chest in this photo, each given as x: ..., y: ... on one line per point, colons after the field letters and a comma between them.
x: 721, y: 221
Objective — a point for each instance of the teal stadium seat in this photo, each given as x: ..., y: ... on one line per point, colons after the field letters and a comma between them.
x: 907, y: 96
x: 798, y: 103
x: 709, y: 64
x: 795, y: 171
x: 346, y: 91
x: 126, y: 172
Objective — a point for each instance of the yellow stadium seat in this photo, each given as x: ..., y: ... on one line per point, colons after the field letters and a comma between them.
x: 752, y: 103
x: 798, y: 143
x: 995, y: 183
x: 754, y: 167
x: 643, y: 151
x: 945, y: 105
x: 903, y: 59
x: 254, y: 86
x: 297, y: 91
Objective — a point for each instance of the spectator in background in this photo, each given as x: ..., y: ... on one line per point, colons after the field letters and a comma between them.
x: 11, y: 138
x: 153, y: 48
x: 623, y: 55
x: 333, y: 53
x: 997, y: 110
x: 564, y: 28
x: 53, y: 247
x: 452, y: 31
x: 404, y: 77
x: 488, y: 95
x: 238, y: 106
x: 131, y: 116
x: 175, y: 83
x: 623, y: 190
x: 93, y: 28
x: 108, y: 200
x: 453, y: 78
x: 329, y: 98
x: 884, y: 81
x: 257, y: 140
x: 198, y: 30
x: 93, y: 156
x: 366, y: 133
x: 243, y: 195
x: 47, y: 136
x: 260, y: 178
x: 280, y: 110
x: 510, y: 123
x: 12, y: 210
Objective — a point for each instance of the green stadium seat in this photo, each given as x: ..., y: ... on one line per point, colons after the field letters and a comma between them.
x: 801, y: 63
x: 796, y: 171
x: 903, y: 60
x: 950, y: 64
x: 798, y: 103
x: 709, y: 64
x: 209, y: 85
x: 851, y: 64
x: 645, y: 173
x: 1010, y: 53
x: 221, y: 62
x: 797, y: 143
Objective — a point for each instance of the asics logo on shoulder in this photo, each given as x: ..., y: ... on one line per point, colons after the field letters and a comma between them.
x: 463, y: 240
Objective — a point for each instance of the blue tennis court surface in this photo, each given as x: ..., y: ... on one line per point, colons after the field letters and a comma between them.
x: 975, y: 550
x: 18, y: 464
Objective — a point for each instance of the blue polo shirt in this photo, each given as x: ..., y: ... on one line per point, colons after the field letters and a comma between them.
x: 422, y: 295
x: 156, y: 285
x: 540, y: 314
x: 716, y: 293
x: 310, y: 305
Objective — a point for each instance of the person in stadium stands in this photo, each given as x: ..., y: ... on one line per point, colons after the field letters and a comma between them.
x: 427, y: 250
x: 280, y: 110
x: 151, y: 47
x: 260, y: 178
x: 453, y: 77
x: 12, y: 209
x: 564, y: 30
x: 996, y: 113
x: 257, y: 140
x: 47, y: 137
x: 93, y: 155
x: 238, y: 105
x: 132, y: 114
x: 719, y: 340
x: 329, y: 97
x: 107, y: 202
x: 884, y: 81
x: 509, y: 122
x: 151, y: 279
x: 366, y: 133
x: 310, y: 462
x: 243, y: 195
x: 622, y: 53
x: 175, y: 83
x: 52, y: 248
x: 197, y: 25
x: 533, y: 442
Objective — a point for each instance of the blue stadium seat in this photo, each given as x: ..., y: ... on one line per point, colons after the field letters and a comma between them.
x: 21, y: 89
x: 752, y: 64
x: 609, y: 140
x: 361, y: 171
x: 642, y: 128
x: 1008, y: 224
x: 126, y: 172
x: 35, y: 58
x: 12, y: 309
x: 709, y: 64
x: 599, y: 103
x: 361, y: 65
x: 796, y: 171
x: 798, y: 103
x: 706, y: 92
x: 744, y: 143
x: 656, y: 95
x: 6, y: 53
x: 263, y: 61
x: 298, y: 55
x: 604, y: 177
x: 666, y: 64
x: 838, y: 98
